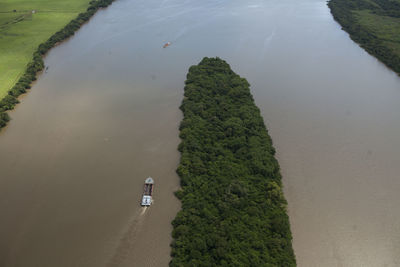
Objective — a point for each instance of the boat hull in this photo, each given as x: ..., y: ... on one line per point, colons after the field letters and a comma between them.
x: 147, y: 197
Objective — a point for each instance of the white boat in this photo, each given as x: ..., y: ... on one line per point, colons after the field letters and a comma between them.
x: 148, y: 192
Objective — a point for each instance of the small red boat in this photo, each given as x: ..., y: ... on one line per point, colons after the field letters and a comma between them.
x: 166, y: 44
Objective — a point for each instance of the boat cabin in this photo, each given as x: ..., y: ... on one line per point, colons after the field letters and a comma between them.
x: 147, y: 192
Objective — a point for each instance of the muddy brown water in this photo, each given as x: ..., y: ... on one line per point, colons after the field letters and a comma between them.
x: 105, y: 116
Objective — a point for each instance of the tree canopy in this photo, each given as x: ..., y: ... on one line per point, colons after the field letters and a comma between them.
x: 233, y: 209
x: 374, y: 24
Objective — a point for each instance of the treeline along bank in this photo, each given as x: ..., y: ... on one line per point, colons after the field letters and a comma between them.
x: 374, y: 25
x: 36, y: 65
x: 233, y: 208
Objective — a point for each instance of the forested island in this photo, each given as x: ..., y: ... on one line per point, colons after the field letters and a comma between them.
x: 374, y: 24
x: 36, y: 64
x: 233, y: 208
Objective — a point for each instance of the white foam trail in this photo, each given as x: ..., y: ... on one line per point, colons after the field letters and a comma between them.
x: 179, y: 34
x: 143, y: 210
x: 128, y: 239
x: 267, y: 42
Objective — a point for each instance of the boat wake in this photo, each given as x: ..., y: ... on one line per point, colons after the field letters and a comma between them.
x: 143, y: 211
x: 128, y: 239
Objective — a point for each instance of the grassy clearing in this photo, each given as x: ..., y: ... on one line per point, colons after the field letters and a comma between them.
x: 374, y: 24
x: 386, y: 28
x: 21, y: 32
x: 36, y: 63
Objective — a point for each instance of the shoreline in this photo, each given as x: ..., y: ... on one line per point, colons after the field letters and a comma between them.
x: 36, y: 65
x: 353, y: 19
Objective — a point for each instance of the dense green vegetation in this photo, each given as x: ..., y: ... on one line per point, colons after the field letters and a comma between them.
x: 36, y: 64
x: 374, y: 24
x: 233, y: 209
x: 24, y: 24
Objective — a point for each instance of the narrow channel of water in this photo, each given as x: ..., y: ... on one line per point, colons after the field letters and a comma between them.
x: 105, y: 116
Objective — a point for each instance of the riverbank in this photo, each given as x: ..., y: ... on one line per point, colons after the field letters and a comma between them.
x: 374, y: 25
x: 96, y: 125
x: 233, y: 208
x: 25, y: 28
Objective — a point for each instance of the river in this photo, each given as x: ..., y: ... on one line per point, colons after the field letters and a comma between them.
x: 105, y: 116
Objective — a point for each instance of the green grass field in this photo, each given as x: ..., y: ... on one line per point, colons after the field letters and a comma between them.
x: 374, y: 24
x: 21, y: 31
x: 385, y: 28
